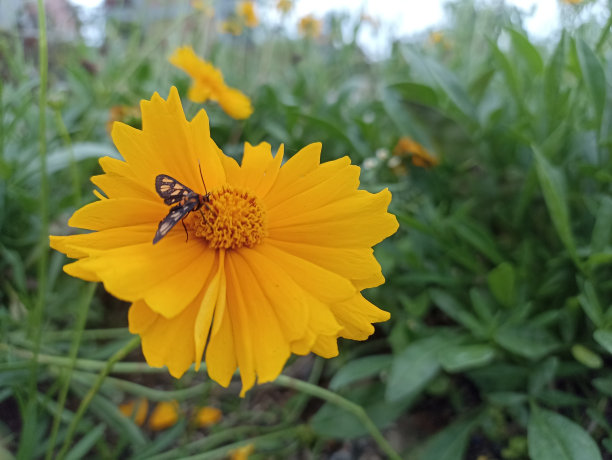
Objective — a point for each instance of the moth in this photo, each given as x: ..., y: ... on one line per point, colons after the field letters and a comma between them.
x: 184, y: 199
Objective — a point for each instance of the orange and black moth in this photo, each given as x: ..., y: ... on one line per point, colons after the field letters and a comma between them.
x: 184, y: 199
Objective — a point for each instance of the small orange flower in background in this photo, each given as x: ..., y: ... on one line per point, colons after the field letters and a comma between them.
x: 419, y: 155
x: 273, y: 265
x: 246, y: 11
x: 164, y: 415
x: 207, y: 416
x: 309, y: 26
x: 284, y: 6
x: 137, y: 410
x: 208, y: 84
x: 572, y: 2
x: 242, y: 453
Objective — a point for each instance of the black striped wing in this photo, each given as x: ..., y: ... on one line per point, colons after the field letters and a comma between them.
x: 171, y: 190
x: 176, y: 213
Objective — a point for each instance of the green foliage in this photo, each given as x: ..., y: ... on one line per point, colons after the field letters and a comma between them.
x: 498, y: 281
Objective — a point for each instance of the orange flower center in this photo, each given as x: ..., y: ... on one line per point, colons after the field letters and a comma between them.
x: 233, y: 218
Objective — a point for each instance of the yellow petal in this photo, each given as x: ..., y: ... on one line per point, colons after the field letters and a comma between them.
x: 356, y: 316
x: 221, y: 359
x: 136, y: 410
x: 235, y: 103
x: 120, y: 212
x: 321, y: 283
x: 164, y: 415
x: 140, y: 317
x: 326, y: 346
x: 259, y: 169
x: 207, y: 416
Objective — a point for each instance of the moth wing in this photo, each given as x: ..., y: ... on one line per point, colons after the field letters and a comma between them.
x: 171, y: 190
x: 174, y: 216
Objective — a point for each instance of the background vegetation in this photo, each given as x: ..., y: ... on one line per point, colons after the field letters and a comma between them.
x: 499, y: 280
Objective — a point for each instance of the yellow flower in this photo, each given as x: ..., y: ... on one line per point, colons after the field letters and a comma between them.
x: 436, y: 37
x: 272, y: 264
x: 208, y: 84
x: 246, y: 11
x: 284, y: 6
x: 572, y: 2
x: 419, y: 155
x: 136, y: 410
x: 207, y: 416
x: 204, y: 6
x: 242, y: 453
x: 164, y: 415
x: 310, y: 27
x: 231, y: 26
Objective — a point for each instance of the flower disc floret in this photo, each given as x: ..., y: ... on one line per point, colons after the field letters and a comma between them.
x: 233, y: 218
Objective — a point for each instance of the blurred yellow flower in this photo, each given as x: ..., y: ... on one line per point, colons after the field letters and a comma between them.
x: 125, y: 113
x: 164, y: 415
x: 572, y: 2
x: 436, y: 37
x: 284, y: 6
x: 208, y: 84
x: 207, y: 416
x: 309, y: 26
x: 419, y: 155
x: 242, y: 453
x: 136, y: 410
x: 232, y: 26
x: 274, y: 263
x: 246, y: 11
x: 205, y: 6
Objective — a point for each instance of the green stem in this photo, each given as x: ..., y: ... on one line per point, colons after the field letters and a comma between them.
x: 89, y: 334
x: 82, y: 364
x: 82, y: 311
x: 145, y: 392
x: 313, y: 379
x: 74, y: 167
x: 221, y: 452
x: 118, y: 356
x: 349, y: 406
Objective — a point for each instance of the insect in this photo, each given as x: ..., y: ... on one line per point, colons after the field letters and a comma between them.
x: 186, y: 200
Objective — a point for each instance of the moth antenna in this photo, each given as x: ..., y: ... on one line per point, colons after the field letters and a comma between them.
x: 202, y: 177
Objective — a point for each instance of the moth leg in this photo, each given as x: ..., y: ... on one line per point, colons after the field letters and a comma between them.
x: 186, y: 233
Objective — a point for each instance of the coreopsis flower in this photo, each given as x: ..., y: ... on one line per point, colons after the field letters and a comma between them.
x: 271, y: 260
x: 419, y: 155
x: 284, y: 6
x: 208, y: 84
x: 164, y: 415
x: 246, y: 11
x: 205, y: 6
x: 207, y: 416
x: 309, y: 26
x: 242, y: 453
x: 572, y: 2
x: 137, y: 410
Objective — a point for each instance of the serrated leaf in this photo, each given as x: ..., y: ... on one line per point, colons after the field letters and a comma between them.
x: 359, y: 369
x: 502, y: 284
x: 554, y: 437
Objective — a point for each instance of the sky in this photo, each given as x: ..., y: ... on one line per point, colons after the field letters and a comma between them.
x: 406, y: 17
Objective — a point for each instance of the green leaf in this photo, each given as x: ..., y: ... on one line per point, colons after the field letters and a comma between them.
x: 502, y: 284
x: 604, y: 338
x: 82, y: 447
x: 527, y: 341
x: 587, y: 357
x: 416, y: 92
x: 359, y: 369
x: 506, y: 398
x: 458, y: 358
x: 593, y: 75
x: 602, y: 229
x: 456, y: 311
x: 451, y: 442
x: 543, y: 374
x: 553, y: 188
x: 527, y: 51
x: 554, y: 437
x: 413, y: 368
x: 589, y: 302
